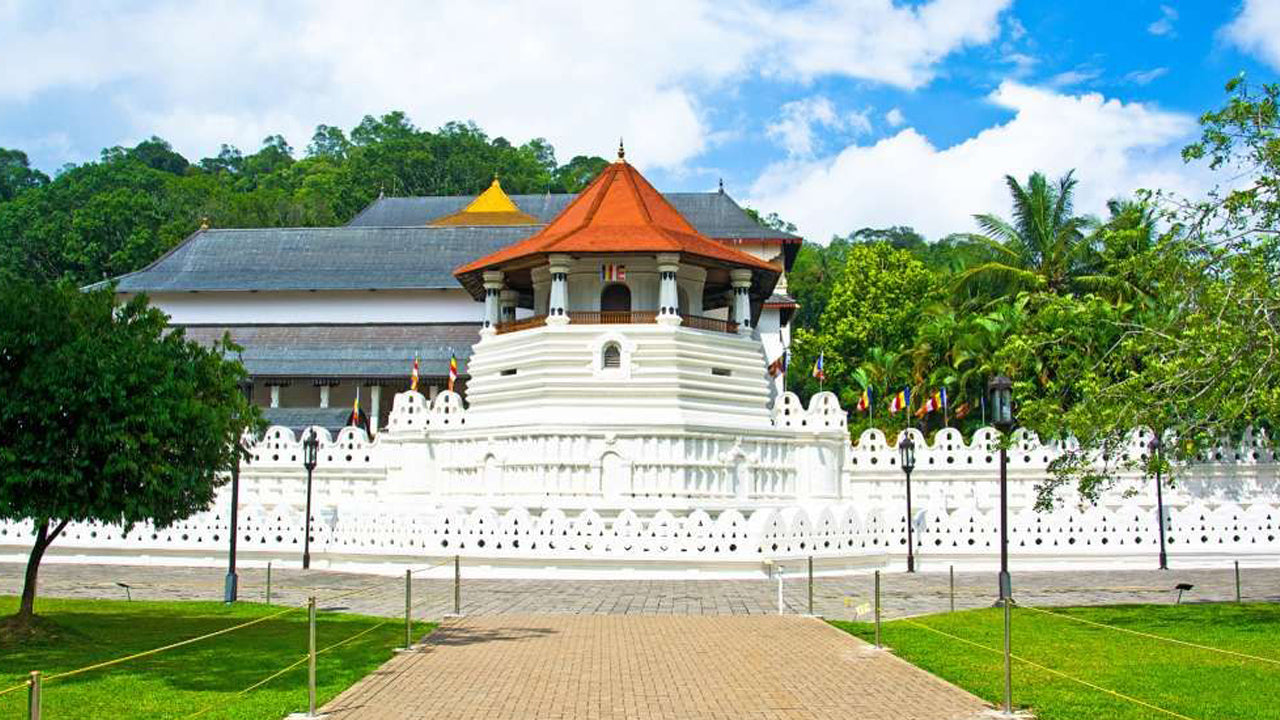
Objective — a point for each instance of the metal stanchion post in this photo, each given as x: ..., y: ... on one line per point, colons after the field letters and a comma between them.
x: 811, y: 584
x: 311, y: 659
x: 33, y: 696
x: 1237, y: 582
x: 953, y: 588
x: 1008, y: 666
x: 878, y: 608
x: 779, y: 589
x: 457, y: 585
x: 268, y: 582
x: 408, y: 604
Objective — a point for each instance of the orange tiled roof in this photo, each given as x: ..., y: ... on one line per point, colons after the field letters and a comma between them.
x: 619, y: 212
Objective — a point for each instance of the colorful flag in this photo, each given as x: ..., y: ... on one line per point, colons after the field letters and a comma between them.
x: 901, y: 401
x: 818, y: 370
x: 963, y: 410
x: 413, y: 379
x: 613, y: 273
x: 355, y: 409
x: 453, y: 371
x: 940, y: 400
x: 779, y: 366
x: 864, y: 400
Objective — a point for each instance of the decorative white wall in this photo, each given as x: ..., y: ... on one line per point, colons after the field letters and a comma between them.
x: 647, y: 502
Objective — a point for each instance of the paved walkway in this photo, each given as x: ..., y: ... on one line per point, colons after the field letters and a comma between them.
x: 836, y: 597
x: 650, y: 667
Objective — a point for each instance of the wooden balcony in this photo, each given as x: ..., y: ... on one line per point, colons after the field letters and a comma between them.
x: 620, y: 317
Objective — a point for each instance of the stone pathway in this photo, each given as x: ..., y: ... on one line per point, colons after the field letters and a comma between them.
x: 651, y: 668
x: 834, y: 597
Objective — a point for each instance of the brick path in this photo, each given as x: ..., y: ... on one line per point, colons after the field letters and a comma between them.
x: 651, y: 667
x: 835, y: 597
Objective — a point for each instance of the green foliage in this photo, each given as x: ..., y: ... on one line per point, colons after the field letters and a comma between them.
x: 109, y: 416
x: 208, y: 674
x: 100, y: 220
x: 1191, y: 681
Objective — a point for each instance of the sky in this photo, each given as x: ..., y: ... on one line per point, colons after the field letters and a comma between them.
x: 835, y: 115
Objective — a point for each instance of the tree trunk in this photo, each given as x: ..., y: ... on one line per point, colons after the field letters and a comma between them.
x: 43, y: 539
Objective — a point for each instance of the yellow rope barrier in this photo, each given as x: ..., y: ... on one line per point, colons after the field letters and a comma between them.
x: 15, y: 688
x: 156, y: 651
x: 286, y: 669
x: 1051, y: 671
x: 1154, y: 637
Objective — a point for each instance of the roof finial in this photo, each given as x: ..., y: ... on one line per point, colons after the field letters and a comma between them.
x: 382, y: 191
x: 721, y: 186
x: 204, y: 223
x: 495, y: 178
x: 622, y: 152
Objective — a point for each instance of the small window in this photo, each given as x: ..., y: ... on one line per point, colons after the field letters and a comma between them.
x: 508, y: 371
x: 722, y: 372
x: 612, y: 357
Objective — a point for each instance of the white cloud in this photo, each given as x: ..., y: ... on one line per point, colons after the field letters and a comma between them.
x: 895, y: 118
x: 1164, y: 25
x: 579, y: 73
x: 1146, y: 77
x: 799, y: 123
x: 1256, y: 30
x: 1076, y: 76
x: 1114, y: 147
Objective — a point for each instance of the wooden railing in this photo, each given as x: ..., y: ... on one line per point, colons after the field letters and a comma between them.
x: 698, y: 322
x: 522, y: 324
x: 613, y: 317
x: 620, y: 317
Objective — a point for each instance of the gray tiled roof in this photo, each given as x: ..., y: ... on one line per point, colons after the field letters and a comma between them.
x: 342, y: 258
x: 371, y: 351
x: 714, y: 214
x: 298, y: 419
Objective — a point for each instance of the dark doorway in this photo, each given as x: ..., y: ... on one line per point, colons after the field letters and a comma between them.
x: 615, y: 297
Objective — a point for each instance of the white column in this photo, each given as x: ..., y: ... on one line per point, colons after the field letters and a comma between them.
x: 492, y: 286
x: 741, y: 281
x: 668, y: 294
x: 507, y: 300
x: 375, y: 406
x: 324, y: 396
x: 558, y: 304
x: 275, y: 396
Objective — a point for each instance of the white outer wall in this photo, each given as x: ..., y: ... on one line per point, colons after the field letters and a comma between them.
x: 297, y: 308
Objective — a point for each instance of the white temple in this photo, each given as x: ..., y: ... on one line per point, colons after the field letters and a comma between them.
x: 620, y: 419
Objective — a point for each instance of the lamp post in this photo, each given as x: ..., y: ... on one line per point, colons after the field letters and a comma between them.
x: 1156, y: 446
x: 907, y: 453
x: 1000, y: 392
x: 231, y: 586
x: 310, y: 445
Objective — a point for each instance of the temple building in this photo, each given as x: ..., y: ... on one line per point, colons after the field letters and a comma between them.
x: 324, y: 314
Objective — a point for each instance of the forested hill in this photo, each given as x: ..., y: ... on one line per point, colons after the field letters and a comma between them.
x: 105, y: 218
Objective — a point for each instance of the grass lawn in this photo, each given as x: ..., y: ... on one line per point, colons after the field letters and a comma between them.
x: 1191, y: 682
x: 180, y: 682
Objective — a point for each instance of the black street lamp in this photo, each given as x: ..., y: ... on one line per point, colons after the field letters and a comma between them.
x: 1156, y: 446
x: 310, y: 446
x: 1000, y: 392
x: 231, y: 586
x: 907, y: 453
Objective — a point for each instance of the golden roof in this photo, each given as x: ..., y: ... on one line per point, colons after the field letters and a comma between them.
x: 491, y: 207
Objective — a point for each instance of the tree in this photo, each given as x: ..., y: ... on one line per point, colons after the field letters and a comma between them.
x: 109, y: 415
x: 16, y: 174
x: 575, y: 175
x: 1045, y: 247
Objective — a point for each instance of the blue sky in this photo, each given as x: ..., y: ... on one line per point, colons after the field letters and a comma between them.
x: 837, y: 115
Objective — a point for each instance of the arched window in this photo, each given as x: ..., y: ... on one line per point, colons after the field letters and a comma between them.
x: 611, y: 357
x: 615, y: 297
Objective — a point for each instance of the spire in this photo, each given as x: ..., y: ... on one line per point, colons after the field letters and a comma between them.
x: 721, y: 186
x: 204, y: 223
x: 622, y: 152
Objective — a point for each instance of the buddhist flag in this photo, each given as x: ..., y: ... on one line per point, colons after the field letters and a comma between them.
x: 940, y: 400
x: 613, y: 273
x: 355, y: 408
x: 413, y: 379
x: 900, y: 401
x: 818, y: 370
x: 779, y: 366
x: 864, y: 400
x: 963, y: 410
x: 453, y: 371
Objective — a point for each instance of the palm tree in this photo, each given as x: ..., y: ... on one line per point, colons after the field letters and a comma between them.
x: 1044, y: 247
